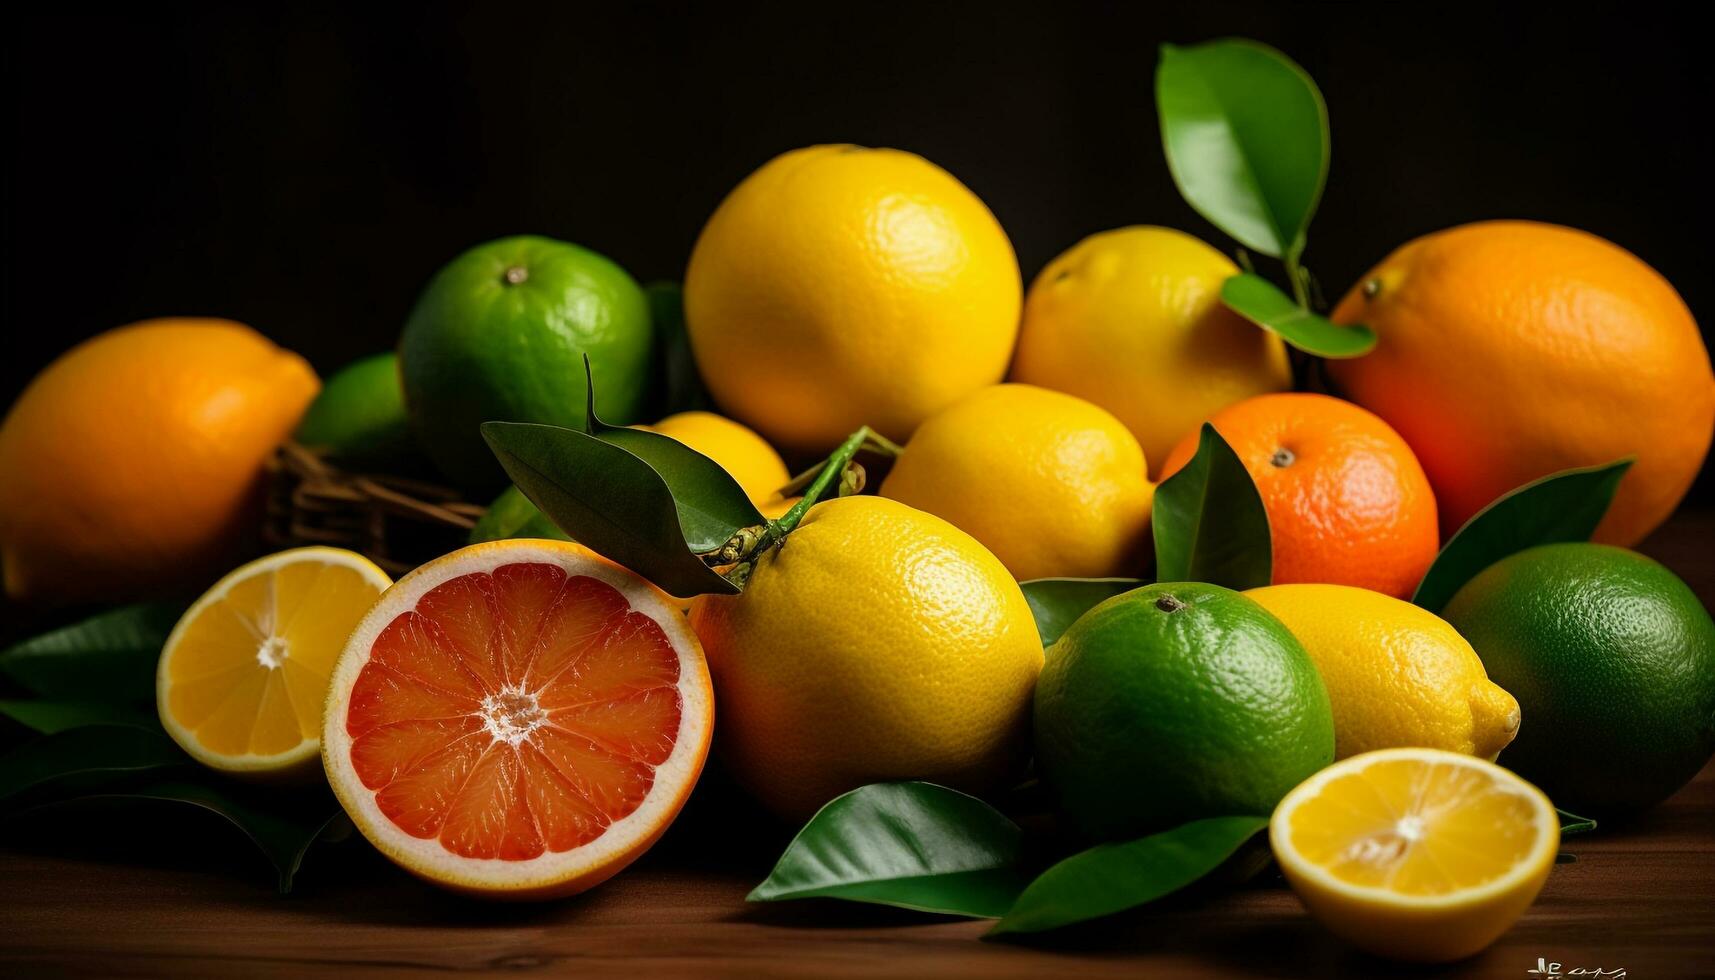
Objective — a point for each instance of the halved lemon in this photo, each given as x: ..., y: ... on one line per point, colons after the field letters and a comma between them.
x: 518, y: 719
x: 244, y: 675
x: 1416, y: 854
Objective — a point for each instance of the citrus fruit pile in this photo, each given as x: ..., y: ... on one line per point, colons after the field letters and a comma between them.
x: 1120, y: 537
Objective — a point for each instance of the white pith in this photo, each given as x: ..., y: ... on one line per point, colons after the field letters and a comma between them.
x: 429, y: 856
x: 1411, y: 828
x: 269, y: 647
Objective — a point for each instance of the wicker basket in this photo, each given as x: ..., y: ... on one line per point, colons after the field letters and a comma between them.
x: 396, y: 522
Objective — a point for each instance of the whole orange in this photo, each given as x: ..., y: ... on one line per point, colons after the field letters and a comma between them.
x: 1508, y: 350
x: 132, y: 465
x: 1347, y: 501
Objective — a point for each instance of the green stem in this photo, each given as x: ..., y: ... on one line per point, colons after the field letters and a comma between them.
x: 828, y: 476
x: 883, y: 446
x: 1295, y: 273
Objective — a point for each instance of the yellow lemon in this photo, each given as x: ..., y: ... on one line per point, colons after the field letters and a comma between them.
x: 1397, y: 675
x: 1132, y: 320
x: 1416, y: 854
x: 841, y: 286
x: 1051, y: 484
x: 746, y: 456
x: 876, y: 642
x: 243, y: 676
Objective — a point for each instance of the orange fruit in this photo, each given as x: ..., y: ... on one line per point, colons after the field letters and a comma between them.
x: 133, y: 464
x: 1347, y: 501
x: 1509, y: 350
x: 517, y: 719
x: 840, y: 286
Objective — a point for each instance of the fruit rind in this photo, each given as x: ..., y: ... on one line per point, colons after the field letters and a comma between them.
x: 553, y: 874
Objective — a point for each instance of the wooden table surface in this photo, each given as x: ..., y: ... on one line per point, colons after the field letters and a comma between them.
x: 92, y: 895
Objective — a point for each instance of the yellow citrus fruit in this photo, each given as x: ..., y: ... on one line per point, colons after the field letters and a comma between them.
x: 133, y: 464
x: 1397, y: 674
x: 876, y: 642
x: 1509, y: 350
x: 746, y: 456
x: 1132, y: 320
x: 517, y: 719
x: 841, y: 286
x: 243, y: 676
x: 1416, y: 854
x: 1053, y: 485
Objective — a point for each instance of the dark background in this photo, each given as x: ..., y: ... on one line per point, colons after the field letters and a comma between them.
x: 305, y: 171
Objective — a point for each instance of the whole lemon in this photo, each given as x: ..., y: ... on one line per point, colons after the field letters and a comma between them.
x: 746, y: 456
x: 1509, y: 350
x: 1051, y: 484
x: 132, y: 465
x: 875, y: 643
x: 841, y: 286
x: 1132, y: 320
x: 1397, y: 675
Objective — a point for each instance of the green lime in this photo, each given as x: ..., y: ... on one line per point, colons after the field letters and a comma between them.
x: 1612, y: 660
x: 500, y: 335
x: 1176, y: 702
x: 360, y: 414
x: 512, y: 515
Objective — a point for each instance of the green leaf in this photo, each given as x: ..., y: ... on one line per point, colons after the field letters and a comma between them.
x: 1058, y: 602
x: 1564, y: 506
x: 1262, y: 303
x: 681, y: 386
x: 604, y: 497
x: 122, y: 763
x: 1572, y: 824
x: 1209, y: 522
x: 282, y: 830
x: 108, y: 657
x: 49, y: 717
x: 1246, y: 135
x: 80, y: 757
x: 910, y: 844
x: 512, y: 515
x: 710, y: 503
x: 1113, y: 877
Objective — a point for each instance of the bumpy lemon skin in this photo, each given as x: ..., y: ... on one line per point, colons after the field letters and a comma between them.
x: 1132, y: 320
x: 875, y: 643
x: 1397, y: 674
x: 1053, y: 485
x: 840, y: 286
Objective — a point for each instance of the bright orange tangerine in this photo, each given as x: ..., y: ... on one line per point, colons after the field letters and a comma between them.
x: 518, y: 719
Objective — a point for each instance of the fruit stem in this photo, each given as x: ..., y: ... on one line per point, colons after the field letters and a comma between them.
x: 830, y: 472
x: 1296, y: 274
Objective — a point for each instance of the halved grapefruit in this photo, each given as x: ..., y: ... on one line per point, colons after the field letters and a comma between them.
x: 518, y: 719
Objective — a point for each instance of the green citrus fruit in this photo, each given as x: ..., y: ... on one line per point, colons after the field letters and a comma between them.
x: 1175, y: 702
x: 500, y: 335
x: 360, y: 414
x: 512, y: 515
x: 1612, y: 659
